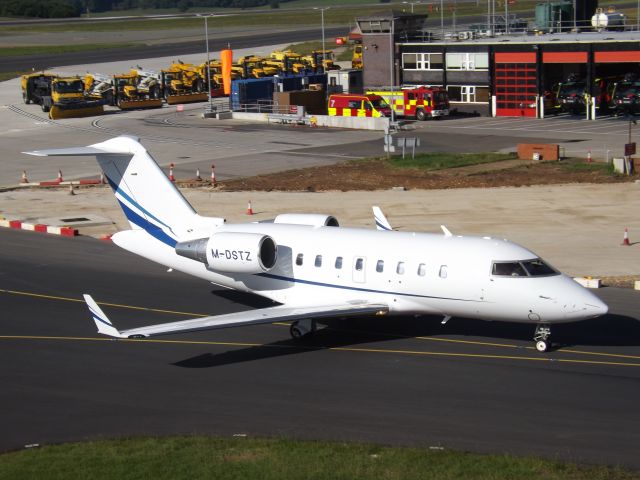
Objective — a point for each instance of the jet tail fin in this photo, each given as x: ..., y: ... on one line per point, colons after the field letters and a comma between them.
x: 150, y: 200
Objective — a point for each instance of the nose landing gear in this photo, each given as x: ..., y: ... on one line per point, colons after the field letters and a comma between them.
x: 541, y: 337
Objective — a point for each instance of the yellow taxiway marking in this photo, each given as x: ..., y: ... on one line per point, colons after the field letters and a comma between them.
x: 430, y: 339
x: 335, y: 349
x: 106, y: 304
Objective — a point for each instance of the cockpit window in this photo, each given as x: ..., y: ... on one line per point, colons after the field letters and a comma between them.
x: 524, y: 268
x: 509, y: 269
x: 537, y: 268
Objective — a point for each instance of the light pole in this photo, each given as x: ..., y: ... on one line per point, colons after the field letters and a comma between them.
x: 206, y: 36
x: 412, y: 4
x: 442, y: 18
x: 322, y: 9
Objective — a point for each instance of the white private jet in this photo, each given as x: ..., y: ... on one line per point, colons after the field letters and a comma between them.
x: 315, y: 269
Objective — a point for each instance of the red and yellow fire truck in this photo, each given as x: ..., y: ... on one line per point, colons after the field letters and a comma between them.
x: 420, y: 103
x: 354, y: 105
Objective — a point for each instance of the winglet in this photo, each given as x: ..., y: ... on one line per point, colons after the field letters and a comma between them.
x: 102, y: 322
x: 381, y: 221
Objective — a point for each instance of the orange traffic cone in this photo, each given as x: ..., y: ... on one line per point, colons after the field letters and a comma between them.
x: 249, y: 209
x: 60, y: 176
x: 625, y: 240
x: 213, y: 175
x: 589, y: 156
x: 198, y: 177
x: 171, y: 177
x: 24, y: 177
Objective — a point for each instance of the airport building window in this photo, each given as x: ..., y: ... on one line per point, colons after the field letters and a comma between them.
x: 422, y: 61
x: 299, y: 259
x: 467, y: 61
x: 443, y: 271
x: 422, y: 269
x: 468, y: 93
x: 338, y: 263
x: 359, y: 264
x: 400, y: 268
x: 318, y: 262
x: 380, y: 266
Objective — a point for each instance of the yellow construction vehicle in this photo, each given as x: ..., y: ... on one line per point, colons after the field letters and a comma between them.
x: 321, y: 60
x: 61, y: 97
x: 99, y: 86
x: 183, y: 83
x: 286, y: 61
x: 356, y: 59
x: 137, y: 89
x: 254, y: 67
x: 216, y: 83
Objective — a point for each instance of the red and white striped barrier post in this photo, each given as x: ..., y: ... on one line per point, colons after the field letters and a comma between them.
x: 171, y: 177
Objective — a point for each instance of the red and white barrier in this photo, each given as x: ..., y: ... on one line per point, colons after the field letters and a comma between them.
x: 38, y: 227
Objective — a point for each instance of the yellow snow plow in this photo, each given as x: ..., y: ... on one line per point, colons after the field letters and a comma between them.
x: 61, y: 97
x: 137, y: 89
x: 183, y: 83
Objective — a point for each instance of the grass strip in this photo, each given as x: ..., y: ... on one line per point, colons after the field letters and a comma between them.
x: 441, y: 161
x: 45, y: 49
x: 199, y: 457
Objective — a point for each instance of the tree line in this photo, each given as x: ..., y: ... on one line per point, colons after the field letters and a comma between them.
x: 75, y: 8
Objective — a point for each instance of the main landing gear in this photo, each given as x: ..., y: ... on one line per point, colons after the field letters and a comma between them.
x: 541, y: 337
x: 302, y: 328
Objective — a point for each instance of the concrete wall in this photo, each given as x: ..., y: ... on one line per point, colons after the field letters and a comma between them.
x: 360, y: 123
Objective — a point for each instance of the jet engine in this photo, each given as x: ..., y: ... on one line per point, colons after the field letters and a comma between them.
x: 232, y: 252
x: 310, y: 219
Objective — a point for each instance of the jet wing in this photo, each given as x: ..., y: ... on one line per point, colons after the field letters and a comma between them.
x: 281, y: 313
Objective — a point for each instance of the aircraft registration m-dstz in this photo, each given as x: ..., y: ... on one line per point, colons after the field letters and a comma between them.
x: 313, y: 269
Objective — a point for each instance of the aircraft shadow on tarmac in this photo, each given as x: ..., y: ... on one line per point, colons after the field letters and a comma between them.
x: 610, y: 330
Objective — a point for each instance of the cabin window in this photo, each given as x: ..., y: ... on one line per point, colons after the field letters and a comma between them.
x: 422, y: 269
x: 359, y: 264
x: 380, y: 266
x: 400, y: 268
x: 338, y: 263
x: 299, y: 259
x: 443, y: 271
x: 318, y: 262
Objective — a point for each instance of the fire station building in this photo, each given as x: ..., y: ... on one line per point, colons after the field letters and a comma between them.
x: 505, y: 75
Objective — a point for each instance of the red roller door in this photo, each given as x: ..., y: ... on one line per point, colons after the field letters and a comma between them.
x: 515, y: 80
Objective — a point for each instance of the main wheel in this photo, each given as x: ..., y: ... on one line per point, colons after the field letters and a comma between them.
x: 420, y: 115
x: 542, y: 346
x: 295, y: 331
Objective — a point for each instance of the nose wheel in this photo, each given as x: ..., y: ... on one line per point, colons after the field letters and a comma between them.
x: 541, y: 337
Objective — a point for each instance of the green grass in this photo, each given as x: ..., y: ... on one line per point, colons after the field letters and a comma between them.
x: 4, y: 76
x: 606, y: 168
x: 440, y: 161
x: 200, y: 458
x: 44, y: 49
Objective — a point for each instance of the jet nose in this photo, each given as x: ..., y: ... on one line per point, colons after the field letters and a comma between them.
x: 596, y: 307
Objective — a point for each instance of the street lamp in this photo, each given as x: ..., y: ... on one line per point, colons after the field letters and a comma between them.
x: 322, y: 9
x: 206, y: 36
x: 412, y: 4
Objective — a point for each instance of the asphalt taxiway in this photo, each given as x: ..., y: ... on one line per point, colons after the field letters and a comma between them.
x: 469, y: 385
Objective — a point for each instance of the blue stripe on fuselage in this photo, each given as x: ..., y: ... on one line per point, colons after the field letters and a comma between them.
x: 358, y: 289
